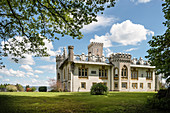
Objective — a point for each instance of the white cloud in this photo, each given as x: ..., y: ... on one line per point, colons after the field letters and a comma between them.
x: 5, y: 71
x: 36, y: 76
x: 140, y: 1
x: 26, y: 67
x: 108, y: 52
x: 29, y: 73
x: 131, y: 49
x: 20, y: 74
x: 103, y: 21
x: 125, y: 33
x: 53, y: 53
x: 12, y: 72
x: 38, y: 71
x: 102, y: 39
x: 33, y: 80
x: 6, y: 80
x: 50, y: 68
x: 1, y: 77
x: 28, y: 60
x: 48, y: 59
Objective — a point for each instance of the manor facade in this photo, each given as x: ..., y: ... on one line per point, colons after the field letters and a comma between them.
x: 119, y: 72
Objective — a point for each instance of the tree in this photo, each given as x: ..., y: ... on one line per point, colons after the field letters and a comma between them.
x: 55, y: 86
x: 32, y: 19
x: 159, y: 53
x: 27, y: 86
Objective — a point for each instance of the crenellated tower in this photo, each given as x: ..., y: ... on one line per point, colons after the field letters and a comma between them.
x: 95, y: 48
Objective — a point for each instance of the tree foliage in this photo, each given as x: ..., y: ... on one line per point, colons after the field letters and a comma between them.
x: 32, y: 18
x: 159, y: 53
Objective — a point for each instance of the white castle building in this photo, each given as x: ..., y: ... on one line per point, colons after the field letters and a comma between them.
x: 119, y: 72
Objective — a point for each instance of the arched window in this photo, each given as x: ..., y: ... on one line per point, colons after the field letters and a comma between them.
x: 116, y: 73
x: 124, y: 71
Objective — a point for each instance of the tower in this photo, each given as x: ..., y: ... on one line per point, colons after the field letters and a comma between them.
x: 96, y: 49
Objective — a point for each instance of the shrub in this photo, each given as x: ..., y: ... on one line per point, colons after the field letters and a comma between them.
x: 161, y: 93
x: 11, y: 88
x: 98, y: 89
x: 54, y: 90
x: 19, y: 87
x: 29, y: 90
x: 33, y: 89
x: 42, y: 89
x: 156, y: 103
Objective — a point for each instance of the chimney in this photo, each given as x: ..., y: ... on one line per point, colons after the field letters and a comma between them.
x: 70, y: 54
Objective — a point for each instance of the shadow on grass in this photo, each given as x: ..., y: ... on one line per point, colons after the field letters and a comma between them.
x: 77, y: 102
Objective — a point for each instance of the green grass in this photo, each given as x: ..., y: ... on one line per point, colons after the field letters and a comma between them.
x: 114, y: 102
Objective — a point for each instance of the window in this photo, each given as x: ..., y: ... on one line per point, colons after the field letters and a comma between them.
x: 69, y: 77
x: 116, y: 85
x: 141, y: 85
x: 103, y: 73
x: 124, y: 85
x: 104, y: 83
x: 149, y: 74
x: 149, y: 85
x: 83, y: 85
x: 134, y: 85
x: 116, y: 73
x: 124, y: 71
x: 94, y: 83
x: 93, y: 72
x: 134, y: 74
x: 83, y: 72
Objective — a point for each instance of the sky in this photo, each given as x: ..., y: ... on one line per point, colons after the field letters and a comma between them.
x: 125, y: 28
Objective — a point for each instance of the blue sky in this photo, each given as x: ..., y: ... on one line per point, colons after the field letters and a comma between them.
x: 126, y: 28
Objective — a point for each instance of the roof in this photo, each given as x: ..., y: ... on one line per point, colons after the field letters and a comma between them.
x: 142, y: 66
x: 92, y: 63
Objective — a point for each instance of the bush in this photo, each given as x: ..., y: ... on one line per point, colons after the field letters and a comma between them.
x: 42, y: 89
x: 33, y: 89
x: 19, y: 87
x: 156, y: 103
x: 11, y: 88
x: 29, y: 90
x: 54, y: 90
x: 98, y: 89
x: 161, y: 93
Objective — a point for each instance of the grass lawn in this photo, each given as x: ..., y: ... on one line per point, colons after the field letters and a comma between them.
x: 114, y: 102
